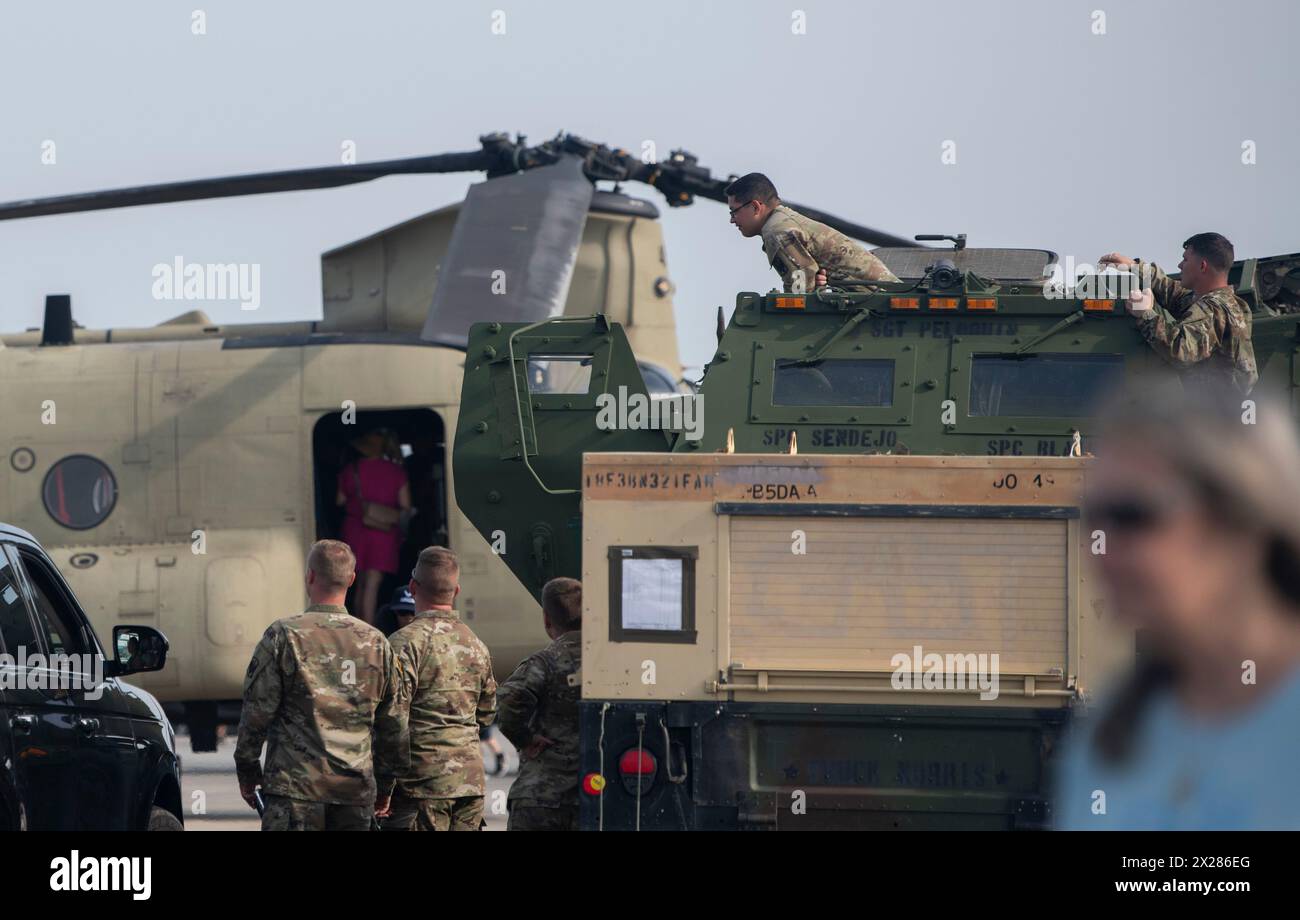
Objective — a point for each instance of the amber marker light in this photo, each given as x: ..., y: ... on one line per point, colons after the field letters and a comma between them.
x: 1099, y: 306
x: 981, y: 303
x: 904, y: 303
x: 790, y: 303
x: 944, y: 303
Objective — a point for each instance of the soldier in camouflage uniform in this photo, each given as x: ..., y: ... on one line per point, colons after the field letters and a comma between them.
x: 539, y: 714
x: 321, y: 692
x: 805, y: 253
x: 449, y: 692
x: 1197, y: 323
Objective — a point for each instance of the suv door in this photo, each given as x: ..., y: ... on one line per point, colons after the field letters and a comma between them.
x: 41, y: 721
x: 10, y: 812
x: 108, y: 761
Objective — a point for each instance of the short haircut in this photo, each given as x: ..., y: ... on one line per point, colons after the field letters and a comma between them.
x: 753, y: 187
x: 1214, y: 248
x: 562, y: 602
x: 437, y: 572
x: 333, y: 562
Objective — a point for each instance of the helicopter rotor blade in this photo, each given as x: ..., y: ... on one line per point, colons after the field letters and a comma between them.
x: 680, y: 179
x: 512, y: 251
x: 289, y: 180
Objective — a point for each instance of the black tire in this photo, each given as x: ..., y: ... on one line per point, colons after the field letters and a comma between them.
x: 160, y: 819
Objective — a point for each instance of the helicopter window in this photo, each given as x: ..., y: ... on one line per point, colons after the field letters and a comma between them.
x: 567, y: 374
x: 833, y: 382
x: 1041, y: 385
x: 79, y: 492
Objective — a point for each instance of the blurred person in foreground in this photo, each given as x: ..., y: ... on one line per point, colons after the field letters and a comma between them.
x: 1202, y: 557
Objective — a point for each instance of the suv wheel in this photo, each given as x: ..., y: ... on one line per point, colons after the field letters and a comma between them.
x: 160, y: 819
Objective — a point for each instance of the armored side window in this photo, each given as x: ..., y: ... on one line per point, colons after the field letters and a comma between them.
x: 867, y: 382
x: 1051, y: 385
x: 566, y: 374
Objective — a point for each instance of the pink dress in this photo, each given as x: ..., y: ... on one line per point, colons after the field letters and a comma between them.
x: 381, y: 481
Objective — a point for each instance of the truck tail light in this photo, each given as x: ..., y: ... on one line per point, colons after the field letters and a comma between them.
x: 636, y: 766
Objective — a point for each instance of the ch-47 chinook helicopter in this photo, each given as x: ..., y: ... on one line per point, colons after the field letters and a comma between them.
x: 190, y: 464
x: 746, y: 611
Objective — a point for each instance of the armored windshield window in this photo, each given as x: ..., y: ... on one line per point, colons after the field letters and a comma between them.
x: 567, y: 374
x: 833, y: 382
x: 1041, y: 385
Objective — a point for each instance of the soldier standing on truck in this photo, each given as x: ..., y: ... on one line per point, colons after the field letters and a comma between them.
x: 320, y: 685
x: 539, y: 714
x: 1197, y: 323
x: 804, y: 252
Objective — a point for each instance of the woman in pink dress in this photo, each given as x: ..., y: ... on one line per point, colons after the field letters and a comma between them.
x: 377, y: 477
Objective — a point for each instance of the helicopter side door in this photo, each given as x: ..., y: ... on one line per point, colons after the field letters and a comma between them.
x: 535, y: 398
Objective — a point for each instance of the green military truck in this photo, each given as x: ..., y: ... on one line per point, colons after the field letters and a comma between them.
x: 862, y: 482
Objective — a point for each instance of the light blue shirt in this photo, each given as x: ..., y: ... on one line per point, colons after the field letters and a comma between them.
x: 1187, y: 774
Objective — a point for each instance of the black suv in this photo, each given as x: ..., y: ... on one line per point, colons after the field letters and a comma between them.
x: 79, y: 749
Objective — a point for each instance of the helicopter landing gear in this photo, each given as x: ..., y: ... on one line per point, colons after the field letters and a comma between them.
x: 201, y: 717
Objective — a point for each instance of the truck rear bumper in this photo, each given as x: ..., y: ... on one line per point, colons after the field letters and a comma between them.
x: 786, y: 766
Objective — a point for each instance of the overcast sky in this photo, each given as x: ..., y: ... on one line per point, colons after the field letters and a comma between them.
x: 1066, y: 139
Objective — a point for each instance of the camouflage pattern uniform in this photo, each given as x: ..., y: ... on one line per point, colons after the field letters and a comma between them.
x: 321, y: 687
x: 539, y: 699
x: 446, y: 676
x: 793, y: 242
x: 1207, y: 336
